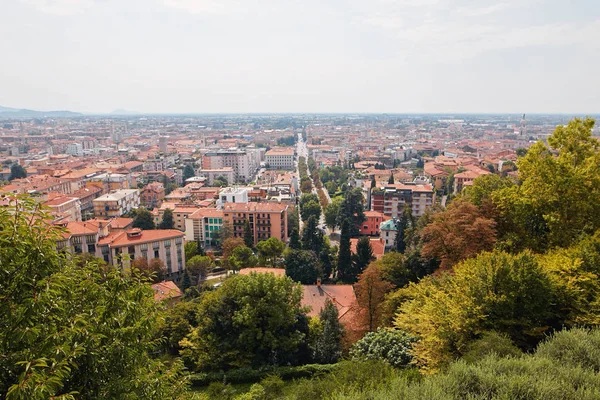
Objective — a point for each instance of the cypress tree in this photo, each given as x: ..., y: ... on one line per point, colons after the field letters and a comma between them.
x: 344, y: 267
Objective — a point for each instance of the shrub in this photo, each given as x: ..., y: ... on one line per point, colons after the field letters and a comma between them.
x: 389, y: 345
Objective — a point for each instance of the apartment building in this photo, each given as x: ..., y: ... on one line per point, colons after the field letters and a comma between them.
x: 202, y: 225
x: 152, y: 195
x: 120, y: 248
x: 65, y: 207
x: 266, y: 219
x: 392, y: 199
x: 244, y: 164
x: 370, y: 227
x: 233, y: 195
x: 117, y: 203
x: 280, y: 158
x: 466, y: 178
x: 215, y: 173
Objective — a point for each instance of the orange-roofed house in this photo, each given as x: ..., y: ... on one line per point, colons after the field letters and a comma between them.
x: 120, y: 247
x: 370, y: 227
x: 342, y: 296
x: 168, y: 292
x: 465, y: 178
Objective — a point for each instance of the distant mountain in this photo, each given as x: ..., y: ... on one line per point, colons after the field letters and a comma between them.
x: 7, y: 112
x: 120, y: 111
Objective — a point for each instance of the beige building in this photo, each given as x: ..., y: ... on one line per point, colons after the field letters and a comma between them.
x: 202, y: 225
x: 117, y: 203
x: 280, y: 158
x: 266, y: 219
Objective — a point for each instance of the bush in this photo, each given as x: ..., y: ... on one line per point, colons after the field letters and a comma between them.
x: 575, y: 347
x: 491, y: 343
x: 389, y: 345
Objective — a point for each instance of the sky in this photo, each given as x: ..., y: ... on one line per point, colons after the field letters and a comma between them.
x: 280, y: 56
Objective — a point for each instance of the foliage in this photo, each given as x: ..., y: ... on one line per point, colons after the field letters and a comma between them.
x: 188, y: 172
x: 270, y: 250
x: 362, y: 258
x: 559, y: 195
x: 389, y: 345
x: 178, y: 322
x: 197, y: 268
x: 458, y: 233
x: 242, y: 257
x: 302, y: 266
x: 222, y: 234
x: 295, y: 240
x: 251, y: 320
x: 190, y: 249
x: 167, y: 220
x: 157, y: 269
x: 497, y: 291
x: 293, y: 220
x: 352, y: 209
x: 326, y: 336
x: 309, y: 207
x: 248, y: 234
x: 490, y: 343
x: 370, y: 292
x: 143, y: 219
x: 73, y: 330
x: 344, y: 261
x: 331, y: 212
x: 312, y: 237
x: 17, y: 172
x: 229, y: 245
x: 403, y: 225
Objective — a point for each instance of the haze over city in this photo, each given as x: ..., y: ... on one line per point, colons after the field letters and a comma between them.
x: 205, y: 56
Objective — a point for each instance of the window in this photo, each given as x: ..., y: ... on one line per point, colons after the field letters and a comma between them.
x: 156, y: 254
x: 92, y: 248
x: 365, y: 227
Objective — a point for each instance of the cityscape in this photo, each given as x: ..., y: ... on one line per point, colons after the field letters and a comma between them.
x: 285, y: 200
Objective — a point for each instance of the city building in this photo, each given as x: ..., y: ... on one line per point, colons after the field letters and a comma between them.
x: 152, y: 195
x: 370, y: 227
x: 202, y: 225
x: 233, y: 195
x: 244, y: 164
x: 117, y: 203
x: 212, y: 174
x: 266, y: 219
x: 392, y: 199
x: 280, y: 158
x: 388, y: 230
x: 121, y: 247
x: 75, y: 149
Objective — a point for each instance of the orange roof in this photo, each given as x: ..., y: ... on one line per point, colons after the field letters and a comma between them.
x: 206, y: 212
x: 315, y: 297
x: 81, y: 228
x: 121, y: 239
x: 121, y: 222
x: 166, y: 290
x: 376, y: 244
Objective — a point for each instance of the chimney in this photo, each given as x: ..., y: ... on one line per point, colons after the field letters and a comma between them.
x: 318, y: 282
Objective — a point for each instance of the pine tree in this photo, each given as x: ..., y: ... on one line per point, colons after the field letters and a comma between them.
x: 327, y: 348
x: 362, y: 258
x: 295, y: 240
x: 186, y: 283
x: 248, y: 235
x: 312, y: 237
x: 391, y: 180
x: 188, y: 172
x: 344, y: 265
x: 402, y: 225
x: 167, y: 220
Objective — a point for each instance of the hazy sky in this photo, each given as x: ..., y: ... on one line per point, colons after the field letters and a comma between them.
x: 301, y: 55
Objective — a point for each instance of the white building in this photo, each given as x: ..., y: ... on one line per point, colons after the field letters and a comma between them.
x: 75, y: 149
x: 244, y: 163
x: 212, y: 174
x: 233, y: 195
x: 117, y: 203
x: 280, y: 158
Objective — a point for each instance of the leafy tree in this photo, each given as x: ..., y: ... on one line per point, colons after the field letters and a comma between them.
x: 331, y: 213
x: 363, y: 256
x: 326, y: 258
x: 270, y: 250
x: 559, y: 195
x: 167, y: 220
x: 229, y: 245
x: 17, y: 172
x: 344, y: 261
x: 389, y: 345
x: 190, y: 249
x: 179, y: 320
x: 293, y: 220
x: 248, y: 234
x: 295, y: 240
x: 198, y: 267
x: 458, y: 233
x: 221, y: 181
x: 312, y: 237
x: 222, y: 234
x: 157, y: 269
x: 69, y: 329
x: 306, y: 185
x: 496, y: 291
x: 370, y: 290
x: 302, y: 266
x: 242, y: 257
x: 188, y: 172
x: 327, y: 344
x: 143, y: 219
x: 310, y: 208
x: 403, y: 225
x: 249, y: 321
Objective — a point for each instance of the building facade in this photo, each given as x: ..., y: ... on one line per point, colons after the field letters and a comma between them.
x: 392, y: 199
x: 266, y: 219
x: 117, y: 203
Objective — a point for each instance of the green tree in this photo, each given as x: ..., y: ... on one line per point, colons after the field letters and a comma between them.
x: 143, y: 219
x: 295, y: 243
x: 403, y: 225
x: 249, y: 321
x: 17, y: 172
x: 190, y: 249
x: 222, y: 234
x: 327, y: 344
x: 293, y: 220
x: 312, y: 237
x: 242, y: 257
x: 270, y: 250
x: 370, y: 290
x: 302, y: 266
x: 391, y: 180
x: 559, y: 195
x: 188, y: 172
x: 344, y: 261
x: 352, y: 210
x: 198, y: 267
x: 248, y: 234
x: 331, y: 213
x: 73, y: 330
x: 363, y: 256
x: 310, y: 209
x: 389, y: 345
x: 167, y: 220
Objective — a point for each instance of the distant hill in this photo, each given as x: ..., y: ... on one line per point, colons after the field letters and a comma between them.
x: 7, y: 113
